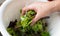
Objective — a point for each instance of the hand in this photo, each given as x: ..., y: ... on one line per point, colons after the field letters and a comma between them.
x: 41, y: 8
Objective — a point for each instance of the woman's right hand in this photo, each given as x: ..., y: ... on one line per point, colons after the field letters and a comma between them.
x: 41, y: 8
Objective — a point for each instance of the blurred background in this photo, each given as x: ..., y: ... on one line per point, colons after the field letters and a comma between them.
x: 1, y: 1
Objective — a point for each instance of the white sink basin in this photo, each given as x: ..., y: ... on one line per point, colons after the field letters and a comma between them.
x: 9, y: 11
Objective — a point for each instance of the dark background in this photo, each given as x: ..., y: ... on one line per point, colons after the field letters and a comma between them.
x: 0, y: 34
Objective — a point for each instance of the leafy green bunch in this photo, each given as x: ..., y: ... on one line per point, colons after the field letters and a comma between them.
x: 23, y: 28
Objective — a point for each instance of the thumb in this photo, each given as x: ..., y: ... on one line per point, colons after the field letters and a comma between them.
x: 37, y: 17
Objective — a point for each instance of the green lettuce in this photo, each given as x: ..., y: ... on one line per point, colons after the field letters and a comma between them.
x: 23, y: 28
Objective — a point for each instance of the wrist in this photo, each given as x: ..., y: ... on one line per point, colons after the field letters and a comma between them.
x: 57, y: 4
x: 54, y: 5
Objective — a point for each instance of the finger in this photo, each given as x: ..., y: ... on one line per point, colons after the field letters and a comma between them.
x: 37, y: 17
x: 25, y: 9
